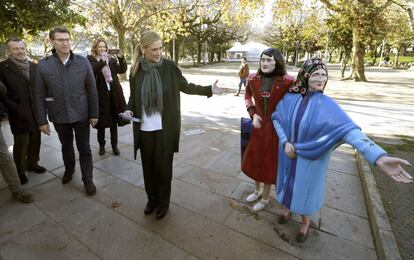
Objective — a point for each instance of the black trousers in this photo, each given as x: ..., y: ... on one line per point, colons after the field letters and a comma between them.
x: 114, y: 135
x: 65, y: 133
x: 157, y: 168
x: 26, y: 150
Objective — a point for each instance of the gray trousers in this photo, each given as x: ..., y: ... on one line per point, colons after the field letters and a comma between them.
x: 7, y: 167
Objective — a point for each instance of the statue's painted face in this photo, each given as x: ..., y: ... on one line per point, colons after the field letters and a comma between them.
x: 317, y: 80
x: 267, y: 63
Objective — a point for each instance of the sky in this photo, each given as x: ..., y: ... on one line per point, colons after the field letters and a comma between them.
x: 260, y: 22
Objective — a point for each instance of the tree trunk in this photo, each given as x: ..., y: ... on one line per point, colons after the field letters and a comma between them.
x: 330, y: 55
x: 345, y: 61
x: 358, y: 48
x: 295, y: 57
x: 199, y: 49
x: 340, y: 55
x: 177, y: 51
x: 121, y: 40
x: 193, y: 55
x: 374, y: 57
x: 411, y: 16
x: 132, y: 48
x: 121, y: 46
x: 169, y: 49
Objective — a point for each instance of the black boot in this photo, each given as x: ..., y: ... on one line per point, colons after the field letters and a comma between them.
x: 23, y: 178
x: 115, y: 149
x: 37, y: 169
x: 161, y: 212
x: 101, y: 149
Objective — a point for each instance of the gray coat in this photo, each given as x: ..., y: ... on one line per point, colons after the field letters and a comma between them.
x: 67, y: 93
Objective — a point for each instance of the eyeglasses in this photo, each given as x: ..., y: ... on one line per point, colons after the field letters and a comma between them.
x: 63, y: 40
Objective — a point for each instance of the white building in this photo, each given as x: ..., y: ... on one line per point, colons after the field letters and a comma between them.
x: 250, y: 50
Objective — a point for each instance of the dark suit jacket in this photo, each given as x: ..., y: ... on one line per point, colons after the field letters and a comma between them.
x: 172, y: 82
x: 18, y: 100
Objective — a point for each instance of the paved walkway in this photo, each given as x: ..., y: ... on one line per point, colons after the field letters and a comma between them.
x: 208, y: 218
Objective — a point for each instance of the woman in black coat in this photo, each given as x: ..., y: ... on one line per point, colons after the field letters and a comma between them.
x: 111, y: 98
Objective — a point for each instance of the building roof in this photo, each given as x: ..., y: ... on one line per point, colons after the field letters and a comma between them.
x: 248, y: 47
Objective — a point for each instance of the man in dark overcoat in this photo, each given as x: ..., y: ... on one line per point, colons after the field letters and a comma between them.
x: 18, y: 74
x: 7, y: 166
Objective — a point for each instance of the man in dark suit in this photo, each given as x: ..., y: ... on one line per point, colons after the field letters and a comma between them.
x: 17, y: 73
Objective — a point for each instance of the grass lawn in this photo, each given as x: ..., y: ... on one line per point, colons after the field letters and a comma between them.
x: 401, y: 59
x: 397, y: 197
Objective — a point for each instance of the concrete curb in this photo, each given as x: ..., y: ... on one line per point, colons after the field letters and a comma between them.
x: 384, y: 239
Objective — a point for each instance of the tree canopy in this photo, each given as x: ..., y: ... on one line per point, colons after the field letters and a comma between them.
x: 20, y: 17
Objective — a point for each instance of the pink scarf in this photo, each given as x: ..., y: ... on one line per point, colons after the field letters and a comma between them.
x: 107, y: 73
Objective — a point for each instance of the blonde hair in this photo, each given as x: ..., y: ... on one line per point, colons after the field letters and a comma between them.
x: 95, y: 44
x: 148, y: 37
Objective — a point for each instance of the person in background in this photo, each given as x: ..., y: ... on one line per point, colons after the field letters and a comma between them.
x: 111, y: 97
x: 243, y: 74
x: 310, y: 125
x: 263, y: 92
x: 18, y: 74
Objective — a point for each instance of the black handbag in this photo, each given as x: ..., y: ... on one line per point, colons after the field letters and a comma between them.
x: 246, y: 127
x: 121, y: 122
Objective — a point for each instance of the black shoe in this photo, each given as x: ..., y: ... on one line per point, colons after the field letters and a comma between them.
x: 67, y: 176
x: 101, y: 149
x: 89, y: 187
x: 149, y: 208
x: 37, y: 169
x: 115, y: 150
x: 23, y: 178
x: 161, y: 212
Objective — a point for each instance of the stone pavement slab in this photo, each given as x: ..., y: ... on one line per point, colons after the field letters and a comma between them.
x: 45, y: 240
x: 338, y: 193
x: 121, y: 168
x: 211, y: 180
x: 320, y: 245
x: 200, y: 201
x: 346, y: 226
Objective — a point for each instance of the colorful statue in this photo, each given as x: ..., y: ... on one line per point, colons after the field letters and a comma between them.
x: 263, y: 91
x: 310, y: 125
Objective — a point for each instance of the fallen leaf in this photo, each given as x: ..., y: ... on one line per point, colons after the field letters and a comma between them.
x: 115, y: 204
